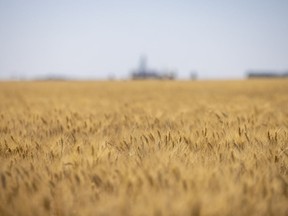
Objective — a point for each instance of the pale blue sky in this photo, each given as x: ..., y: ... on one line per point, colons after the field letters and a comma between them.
x: 98, y: 38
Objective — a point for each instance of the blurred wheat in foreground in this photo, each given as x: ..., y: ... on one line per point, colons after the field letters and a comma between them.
x: 144, y: 148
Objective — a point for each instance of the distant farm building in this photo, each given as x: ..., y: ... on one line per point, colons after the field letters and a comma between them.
x: 266, y: 74
x: 143, y: 73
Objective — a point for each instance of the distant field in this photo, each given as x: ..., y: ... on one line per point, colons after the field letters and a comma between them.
x: 144, y: 148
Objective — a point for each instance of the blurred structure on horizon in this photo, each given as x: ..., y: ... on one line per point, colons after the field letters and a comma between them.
x: 266, y: 74
x: 144, y: 73
x: 193, y: 75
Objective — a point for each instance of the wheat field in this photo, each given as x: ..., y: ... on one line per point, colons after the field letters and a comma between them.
x: 144, y: 148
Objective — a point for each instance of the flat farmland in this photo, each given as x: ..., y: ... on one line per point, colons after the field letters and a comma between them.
x: 144, y: 148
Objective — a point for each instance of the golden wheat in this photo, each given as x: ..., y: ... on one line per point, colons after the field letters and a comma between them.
x: 144, y: 148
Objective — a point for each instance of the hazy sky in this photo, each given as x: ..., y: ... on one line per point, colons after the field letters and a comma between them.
x: 99, y: 38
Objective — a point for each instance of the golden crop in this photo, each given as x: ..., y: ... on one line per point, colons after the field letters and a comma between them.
x: 144, y: 148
